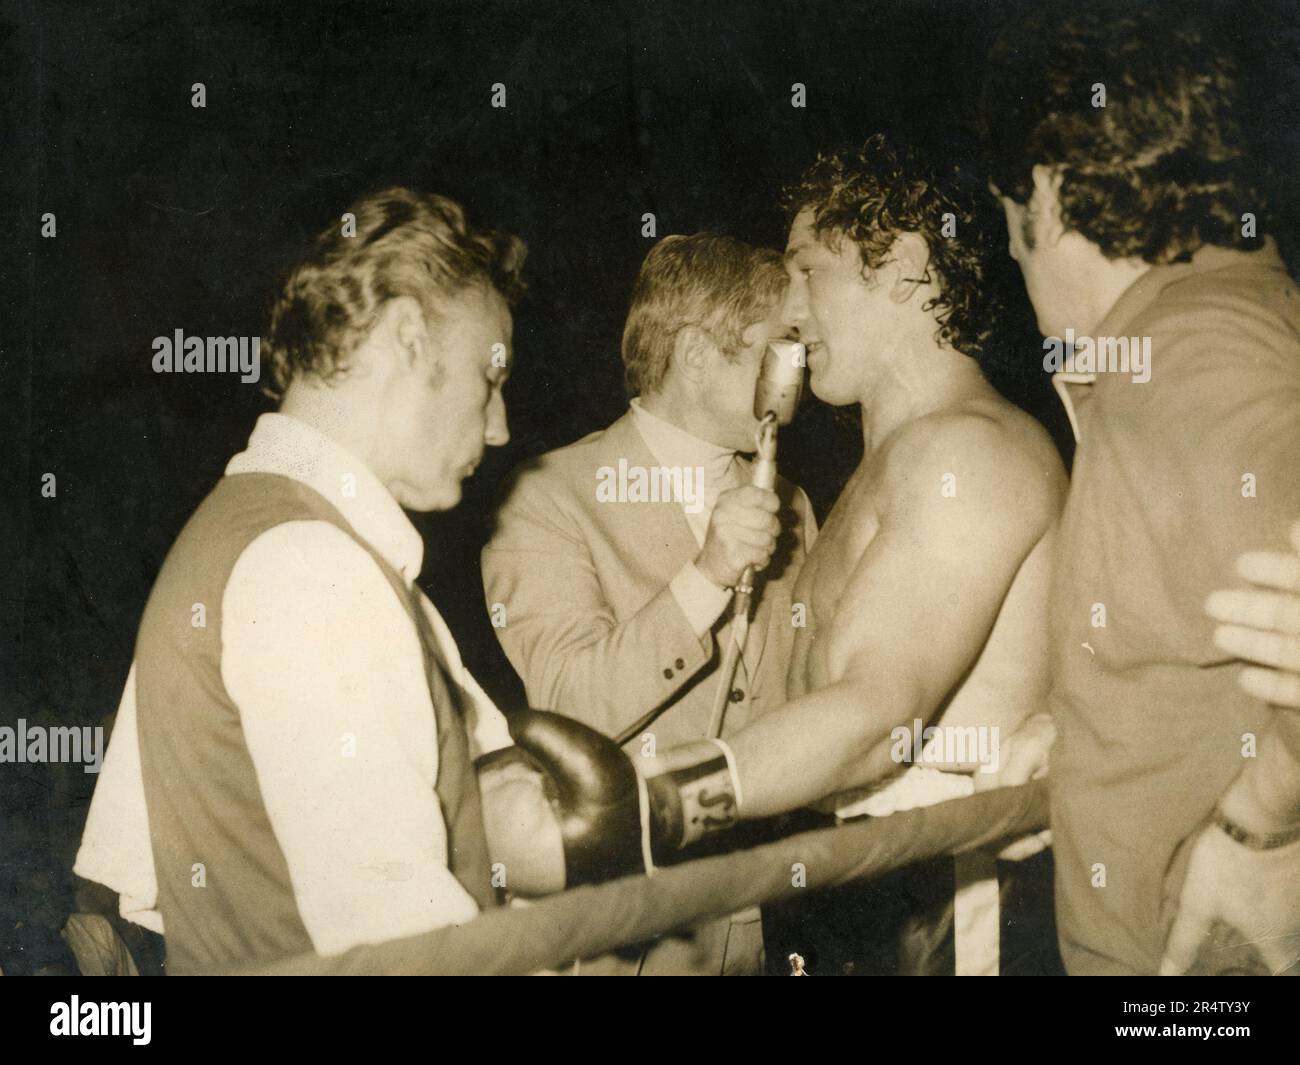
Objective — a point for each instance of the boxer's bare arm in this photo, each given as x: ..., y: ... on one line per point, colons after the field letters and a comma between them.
x: 917, y: 607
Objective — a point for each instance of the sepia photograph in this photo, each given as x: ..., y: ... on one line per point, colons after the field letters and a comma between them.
x: 652, y: 488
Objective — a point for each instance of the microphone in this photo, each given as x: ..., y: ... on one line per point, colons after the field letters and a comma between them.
x: 780, y: 381
x: 776, y: 398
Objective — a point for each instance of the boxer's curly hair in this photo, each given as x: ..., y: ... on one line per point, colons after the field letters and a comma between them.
x: 1161, y: 169
x: 869, y: 195
x: 404, y: 244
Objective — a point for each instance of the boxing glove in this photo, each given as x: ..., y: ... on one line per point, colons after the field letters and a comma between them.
x: 618, y: 817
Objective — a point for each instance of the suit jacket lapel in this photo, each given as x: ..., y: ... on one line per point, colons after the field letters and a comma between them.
x: 663, y: 536
x: 660, y: 530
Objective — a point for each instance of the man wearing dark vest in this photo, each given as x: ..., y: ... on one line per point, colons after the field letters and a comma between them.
x: 293, y: 762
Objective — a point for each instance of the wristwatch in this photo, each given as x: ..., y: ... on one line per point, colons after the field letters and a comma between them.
x: 1255, y: 841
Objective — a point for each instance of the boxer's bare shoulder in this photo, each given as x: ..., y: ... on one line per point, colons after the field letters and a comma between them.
x: 942, y: 535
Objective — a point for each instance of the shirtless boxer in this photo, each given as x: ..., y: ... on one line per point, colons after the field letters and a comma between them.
x: 926, y: 595
x: 926, y: 592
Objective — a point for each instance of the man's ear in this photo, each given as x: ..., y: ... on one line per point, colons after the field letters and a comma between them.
x: 751, y: 334
x: 911, y: 255
x: 1045, y: 205
x: 691, y: 350
x: 412, y: 344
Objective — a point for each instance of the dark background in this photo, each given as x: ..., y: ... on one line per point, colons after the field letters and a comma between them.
x: 171, y: 217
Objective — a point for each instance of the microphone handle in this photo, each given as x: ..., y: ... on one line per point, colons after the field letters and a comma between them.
x: 764, y: 476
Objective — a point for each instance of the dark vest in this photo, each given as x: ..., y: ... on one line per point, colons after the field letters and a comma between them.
x: 201, y: 789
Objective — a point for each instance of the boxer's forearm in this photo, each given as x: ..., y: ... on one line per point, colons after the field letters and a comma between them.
x: 1265, y: 797
x: 829, y: 740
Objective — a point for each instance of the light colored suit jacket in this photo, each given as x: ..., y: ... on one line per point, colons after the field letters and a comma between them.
x: 590, y: 622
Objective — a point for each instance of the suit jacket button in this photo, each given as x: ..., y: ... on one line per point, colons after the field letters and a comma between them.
x: 668, y: 674
x: 680, y: 664
x: 736, y: 695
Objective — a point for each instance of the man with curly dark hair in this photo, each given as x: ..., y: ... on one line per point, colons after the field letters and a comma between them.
x: 872, y: 193
x: 1116, y: 147
x: 926, y: 594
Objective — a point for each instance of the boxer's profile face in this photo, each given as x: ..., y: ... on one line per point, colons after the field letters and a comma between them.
x: 445, y: 405
x: 838, y: 313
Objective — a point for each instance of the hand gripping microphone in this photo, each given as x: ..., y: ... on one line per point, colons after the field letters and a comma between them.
x: 776, y: 398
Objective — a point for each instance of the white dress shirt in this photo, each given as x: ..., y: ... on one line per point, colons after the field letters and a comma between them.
x: 321, y: 659
x: 701, y: 600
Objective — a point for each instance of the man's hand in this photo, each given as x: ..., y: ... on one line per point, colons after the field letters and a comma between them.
x: 523, y: 832
x: 1233, y: 900
x: 1022, y: 757
x: 1262, y: 624
x: 743, y: 531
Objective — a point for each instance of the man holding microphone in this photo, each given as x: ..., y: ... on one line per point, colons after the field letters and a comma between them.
x: 616, y: 600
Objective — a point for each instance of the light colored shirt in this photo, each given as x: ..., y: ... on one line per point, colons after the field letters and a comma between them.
x: 1172, y: 478
x: 319, y: 656
x: 701, y: 600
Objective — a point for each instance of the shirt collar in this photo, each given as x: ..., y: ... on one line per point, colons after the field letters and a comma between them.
x: 674, y: 446
x: 286, y: 446
x: 1144, y: 291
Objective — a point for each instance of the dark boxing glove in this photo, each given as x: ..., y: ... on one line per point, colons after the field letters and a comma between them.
x: 615, y: 820
x: 592, y: 788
